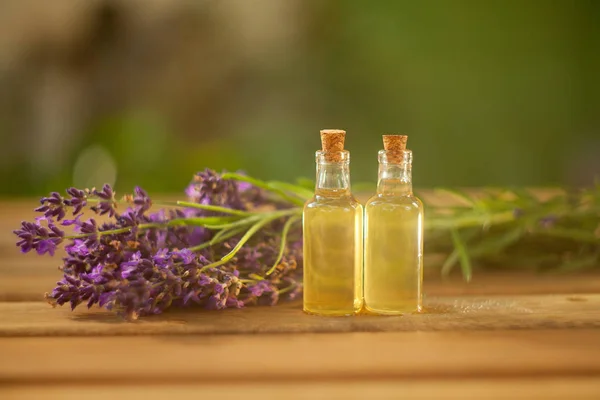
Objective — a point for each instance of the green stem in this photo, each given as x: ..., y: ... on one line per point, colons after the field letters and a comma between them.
x: 256, y: 277
x: 465, y: 260
x: 241, y: 222
x: 284, y: 234
x: 258, y: 217
x: 213, y: 208
x: 469, y: 221
x: 221, y: 236
x: 114, y: 231
x: 255, y: 228
x: 287, y: 289
x: 199, y: 221
x: 574, y: 234
x: 183, y: 204
x: 263, y: 185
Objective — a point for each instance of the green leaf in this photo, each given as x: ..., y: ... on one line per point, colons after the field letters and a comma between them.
x: 572, y: 234
x: 299, y: 191
x: 453, y: 258
x: 496, y: 242
x: 458, y: 195
x: 449, y: 263
x: 463, y: 255
x: 578, y: 263
x: 469, y: 219
x: 525, y: 196
x: 306, y: 183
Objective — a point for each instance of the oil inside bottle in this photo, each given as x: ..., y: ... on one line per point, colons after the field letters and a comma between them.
x: 333, y: 256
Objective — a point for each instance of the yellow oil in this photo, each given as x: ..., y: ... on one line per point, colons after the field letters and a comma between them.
x: 333, y: 254
x: 393, y: 254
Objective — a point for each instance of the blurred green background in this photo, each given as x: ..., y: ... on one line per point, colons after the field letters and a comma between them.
x: 149, y: 91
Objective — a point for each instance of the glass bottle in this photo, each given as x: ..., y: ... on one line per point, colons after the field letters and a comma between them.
x: 333, y: 239
x: 394, y: 240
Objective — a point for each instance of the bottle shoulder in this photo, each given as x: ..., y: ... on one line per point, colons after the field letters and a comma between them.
x: 411, y: 201
x: 329, y: 202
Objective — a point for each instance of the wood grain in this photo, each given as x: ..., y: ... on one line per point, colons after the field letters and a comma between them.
x: 447, y: 313
x: 490, y: 389
x: 300, y: 357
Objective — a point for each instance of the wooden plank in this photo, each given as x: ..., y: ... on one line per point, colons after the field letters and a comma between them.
x: 489, y: 389
x: 223, y: 359
x: 28, y: 281
x: 444, y: 313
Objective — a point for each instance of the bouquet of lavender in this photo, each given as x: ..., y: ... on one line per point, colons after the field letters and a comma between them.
x: 235, y: 242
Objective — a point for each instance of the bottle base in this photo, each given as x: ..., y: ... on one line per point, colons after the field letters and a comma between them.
x: 330, y: 313
x: 392, y: 311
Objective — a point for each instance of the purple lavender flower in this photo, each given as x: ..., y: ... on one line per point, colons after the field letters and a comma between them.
x: 260, y: 287
x: 28, y: 235
x: 74, y: 221
x: 90, y: 228
x: 52, y: 206
x: 208, y: 187
x: 34, y: 236
x: 186, y: 256
x: 548, y: 221
x: 141, y: 200
x: 46, y: 246
x: 130, y: 266
x: 78, y: 248
x: 97, y: 275
x: 138, y: 264
x: 162, y: 257
x: 77, y: 201
x: 216, y: 302
x: 107, y: 203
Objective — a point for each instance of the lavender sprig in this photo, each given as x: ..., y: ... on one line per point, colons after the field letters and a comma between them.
x: 514, y: 227
x: 220, y: 249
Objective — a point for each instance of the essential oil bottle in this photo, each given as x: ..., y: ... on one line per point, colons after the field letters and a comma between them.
x: 333, y: 235
x: 394, y: 235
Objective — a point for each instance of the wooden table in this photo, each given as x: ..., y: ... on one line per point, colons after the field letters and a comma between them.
x: 518, y: 336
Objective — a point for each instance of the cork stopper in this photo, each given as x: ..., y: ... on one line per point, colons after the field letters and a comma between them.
x: 332, y: 142
x: 395, y: 145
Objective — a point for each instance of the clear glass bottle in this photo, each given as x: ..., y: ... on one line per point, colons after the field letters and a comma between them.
x: 333, y: 241
x: 394, y: 240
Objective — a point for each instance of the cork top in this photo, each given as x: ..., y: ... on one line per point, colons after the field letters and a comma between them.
x: 332, y: 142
x: 395, y: 145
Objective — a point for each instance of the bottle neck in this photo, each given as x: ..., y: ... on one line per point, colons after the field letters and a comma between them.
x: 394, y: 180
x: 333, y: 179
